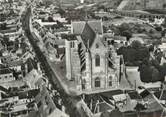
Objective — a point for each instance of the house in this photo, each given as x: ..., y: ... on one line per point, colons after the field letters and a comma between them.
x: 151, y: 102
x: 6, y: 74
x: 91, y: 63
x: 31, y: 78
x: 161, y: 95
x: 45, y: 105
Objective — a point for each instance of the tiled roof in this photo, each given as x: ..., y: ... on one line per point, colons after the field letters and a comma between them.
x: 87, y: 30
x: 96, y: 26
x: 153, y: 104
x: 4, y: 70
x: 12, y: 30
x: 15, y: 63
x: 88, y: 35
x: 78, y: 27
x: 134, y: 95
x: 159, y: 96
x: 104, y: 106
x: 144, y: 94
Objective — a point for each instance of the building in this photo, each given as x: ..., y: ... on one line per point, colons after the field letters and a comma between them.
x: 16, y: 104
x: 90, y: 61
x: 6, y: 74
x: 45, y: 105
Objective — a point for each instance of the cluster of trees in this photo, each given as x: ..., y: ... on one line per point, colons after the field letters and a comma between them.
x: 139, y: 55
x: 58, y: 25
x: 124, y: 30
x: 127, y: 29
x: 133, y: 55
x: 151, y: 70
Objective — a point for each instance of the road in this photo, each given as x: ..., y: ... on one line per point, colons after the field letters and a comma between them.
x: 75, y: 107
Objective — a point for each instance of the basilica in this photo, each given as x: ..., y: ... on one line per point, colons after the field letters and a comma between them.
x: 91, y: 61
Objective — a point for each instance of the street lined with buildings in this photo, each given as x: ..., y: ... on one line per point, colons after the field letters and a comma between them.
x: 82, y: 58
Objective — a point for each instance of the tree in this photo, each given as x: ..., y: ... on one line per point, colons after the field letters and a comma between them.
x: 158, y: 28
x: 105, y: 18
x: 151, y: 31
x: 133, y: 55
x: 145, y: 71
x: 127, y: 34
x: 164, y: 6
x: 60, y: 25
x: 124, y: 27
x: 155, y: 74
x: 163, y: 33
x: 101, y: 7
x: 61, y: 12
x: 162, y: 71
x: 136, y: 44
x: 50, y: 19
x: 152, y: 71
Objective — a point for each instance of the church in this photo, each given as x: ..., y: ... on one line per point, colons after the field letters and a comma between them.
x: 90, y: 61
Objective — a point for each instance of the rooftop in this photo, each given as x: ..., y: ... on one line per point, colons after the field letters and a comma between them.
x: 95, y: 25
x: 4, y: 70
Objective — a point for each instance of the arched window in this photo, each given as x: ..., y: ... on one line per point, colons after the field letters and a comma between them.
x: 97, y: 45
x: 97, y: 60
x: 97, y: 82
x: 110, y: 81
x: 72, y: 44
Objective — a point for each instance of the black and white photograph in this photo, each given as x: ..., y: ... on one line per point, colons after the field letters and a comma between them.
x: 82, y: 58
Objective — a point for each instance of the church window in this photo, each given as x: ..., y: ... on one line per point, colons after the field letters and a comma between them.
x: 72, y: 44
x: 110, y: 81
x: 97, y: 60
x: 97, y: 82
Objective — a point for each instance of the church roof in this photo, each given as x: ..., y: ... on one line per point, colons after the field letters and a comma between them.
x: 78, y: 27
x: 88, y: 35
x: 87, y: 30
x: 96, y: 26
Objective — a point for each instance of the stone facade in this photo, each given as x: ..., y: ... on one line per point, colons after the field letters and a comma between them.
x: 90, y: 61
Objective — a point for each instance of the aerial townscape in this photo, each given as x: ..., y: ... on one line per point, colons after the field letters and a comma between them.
x: 82, y: 58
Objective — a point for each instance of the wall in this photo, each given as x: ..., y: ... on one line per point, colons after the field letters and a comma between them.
x: 6, y: 77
